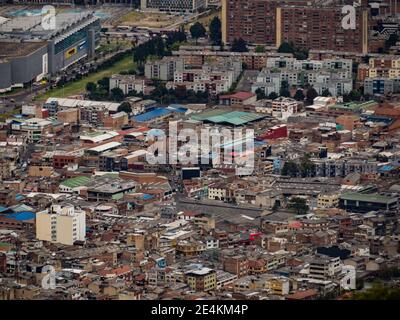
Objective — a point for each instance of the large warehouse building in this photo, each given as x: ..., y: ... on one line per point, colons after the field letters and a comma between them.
x: 29, y: 52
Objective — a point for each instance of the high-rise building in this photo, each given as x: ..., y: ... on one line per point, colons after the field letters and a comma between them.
x: 61, y: 224
x: 315, y: 25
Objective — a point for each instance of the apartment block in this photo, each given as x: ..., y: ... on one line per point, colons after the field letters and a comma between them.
x: 63, y: 224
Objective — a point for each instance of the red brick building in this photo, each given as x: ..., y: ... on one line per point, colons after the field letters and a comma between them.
x: 308, y: 26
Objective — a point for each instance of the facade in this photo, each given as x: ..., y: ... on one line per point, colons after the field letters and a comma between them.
x: 163, y: 69
x: 324, y: 268
x: 127, y: 83
x: 213, y: 77
x: 204, y: 279
x: 332, y: 74
x: 61, y: 224
x: 28, y: 52
x: 357, y: 202
x: 381, y: 86
x: 173, y: 5
x: 307, y: 25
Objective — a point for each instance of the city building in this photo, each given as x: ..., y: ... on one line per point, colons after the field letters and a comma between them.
x: 127, y: 83
x: 316, y: 25
x: 28, y: 52
x: 184, y: 6
x: 62, y: 224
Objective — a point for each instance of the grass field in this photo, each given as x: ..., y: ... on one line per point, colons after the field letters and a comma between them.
x: 146, y: 19
x: 79, y: 87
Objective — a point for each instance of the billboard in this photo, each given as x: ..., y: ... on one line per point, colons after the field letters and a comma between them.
x: 71, y: 52
x: 74, y: 50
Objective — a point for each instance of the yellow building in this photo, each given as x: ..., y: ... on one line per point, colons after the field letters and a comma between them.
x: 59, y: 224
x: 204, y: 279
x: 327, y: 200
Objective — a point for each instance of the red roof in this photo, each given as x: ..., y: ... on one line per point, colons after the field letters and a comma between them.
x: 243, y: 95
x: 300, y: 295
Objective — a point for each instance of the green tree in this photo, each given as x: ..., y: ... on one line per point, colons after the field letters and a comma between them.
x: 326, y: 93
x: 197, y: 30
x: 239, y: 45
x: 125, y: 106
x: 299, y: 205
x: 284, y: 91
x: 290, y: 168
x: 299, y: 95
x: 104, y: 83
x: 91, y: 87
x: 215, y: 31
x: 355, y: 95
x: 260, y: 94
x: 117, y: 94
x: 272, y: 96
x: 306, y: 166
x: 286, y: 47
x: 260, y: 49
x: 311, y: 95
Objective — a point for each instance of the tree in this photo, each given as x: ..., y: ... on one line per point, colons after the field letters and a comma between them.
x: 260, y: 94
x: 284, y: 91
x: 215, y: 31
x: 286, y: 47
x: 326, y: 93
x: 125, y: 107
x: 311, y: 95
x: 299, y: 205
x: 197, y: 30
x: 355, y: 95
x: 117, y: 94
x: 260, y: 49
x: 272, y: 96
x: 290, y: 168
x: 104, y: 83
x: 299, y: 95
x: 91, y: 87
x: 239, y: 45
x: 306, y: 167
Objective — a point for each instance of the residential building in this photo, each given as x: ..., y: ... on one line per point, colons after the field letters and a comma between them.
x: 62, y: 224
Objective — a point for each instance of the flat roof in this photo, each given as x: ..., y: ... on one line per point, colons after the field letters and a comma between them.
x: 12, y: 49
x: 368, y: 197
x: 75, y: 182
x: 73, y: 103
x: 105, y: 147
x: 232, y: 117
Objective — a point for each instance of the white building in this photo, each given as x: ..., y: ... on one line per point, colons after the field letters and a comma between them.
x: 283, y: 108
x: 61, y: 224
x: 127, y: 83
x: 173, y: 5
x: 334, y: 75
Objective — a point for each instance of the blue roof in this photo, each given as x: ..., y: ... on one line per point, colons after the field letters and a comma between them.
x: 152, y: 114
x: 177, y: 108
x: 21, y: 216
x: 387, y: 167
x: 147, y: 196
x: 3, y: 208
x: 19, y: 197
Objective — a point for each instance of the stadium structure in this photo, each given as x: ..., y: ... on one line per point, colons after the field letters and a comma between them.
x: 30, y: 51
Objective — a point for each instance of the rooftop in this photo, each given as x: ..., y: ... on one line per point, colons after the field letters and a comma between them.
x: 233, y: 117
x: 75, y: 182
x: 368, y: 197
